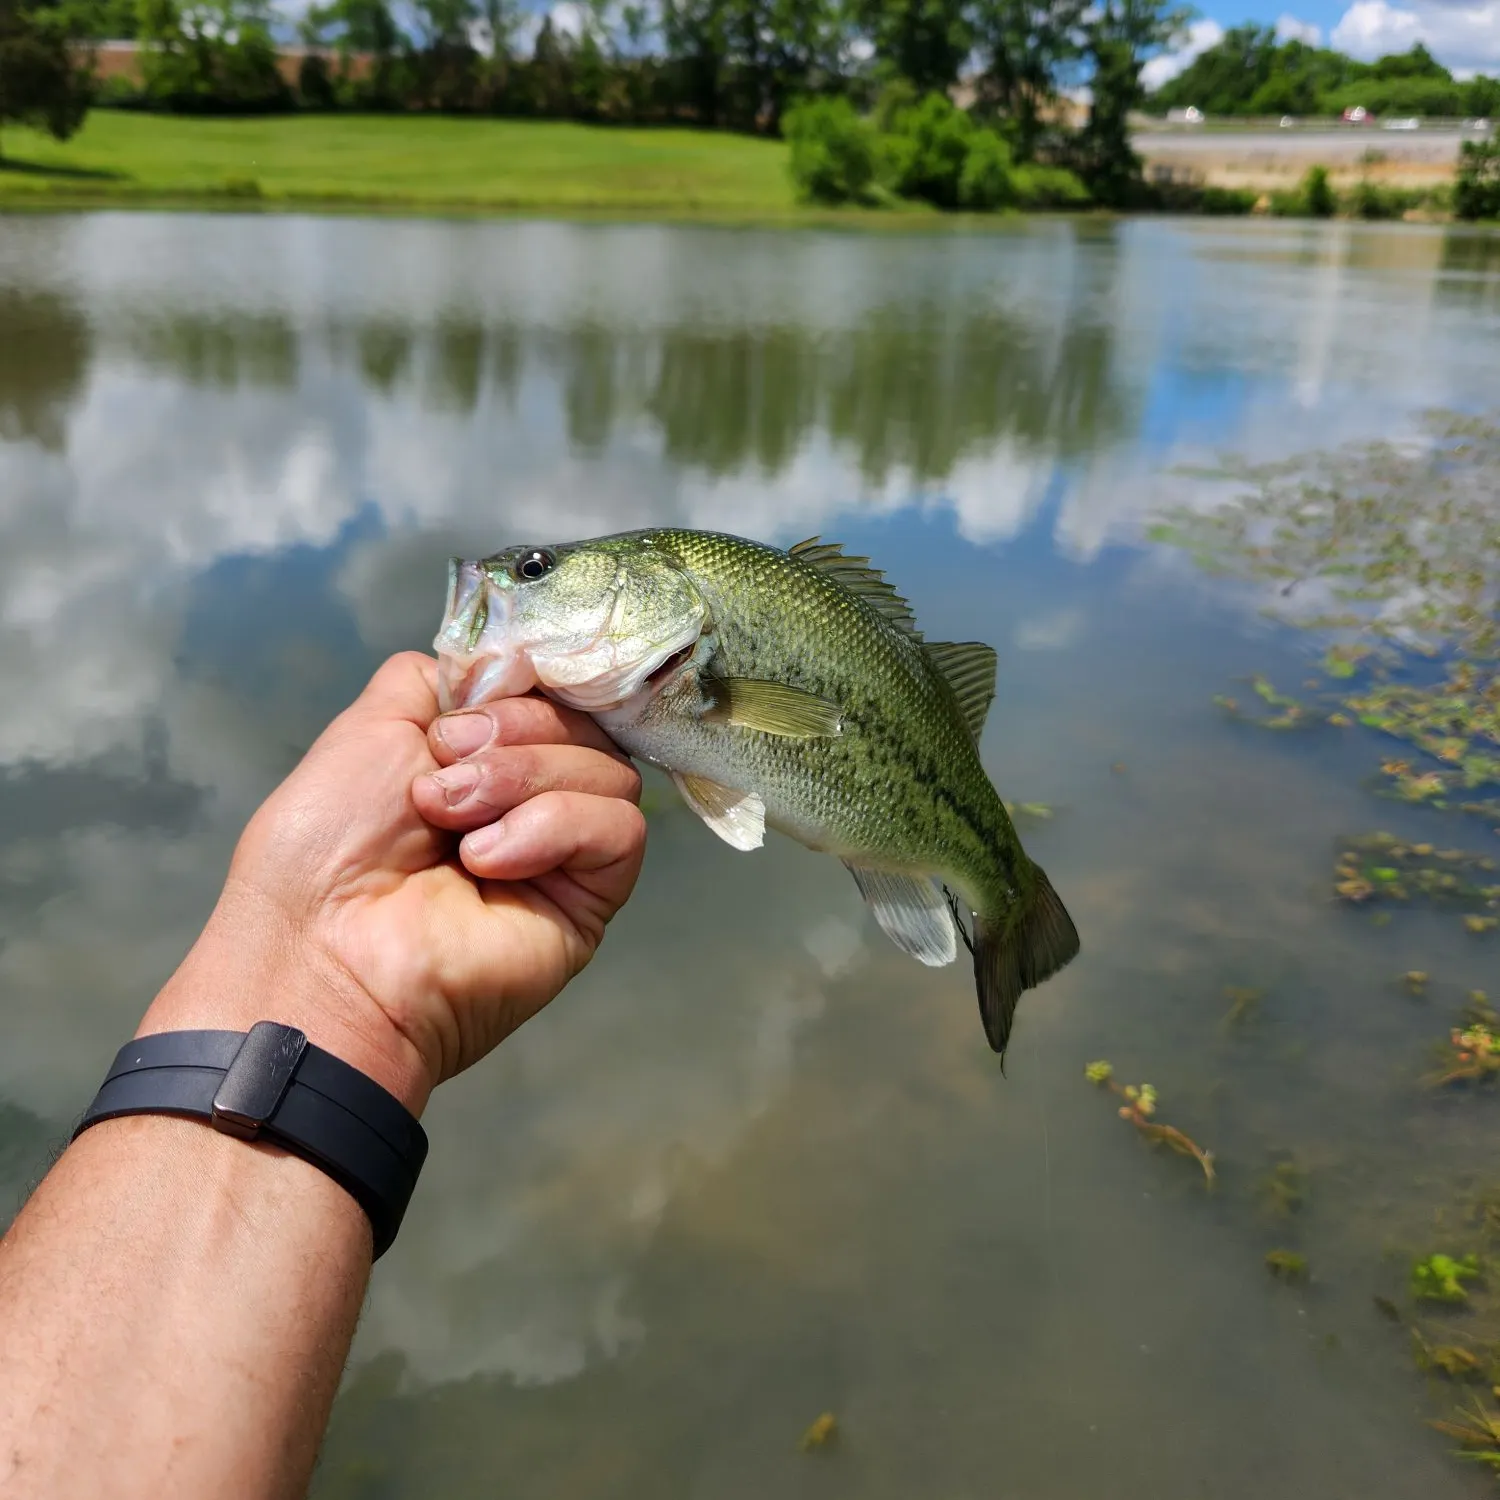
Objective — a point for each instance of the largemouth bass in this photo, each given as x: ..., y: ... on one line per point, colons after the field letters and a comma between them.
x: 783, y: 689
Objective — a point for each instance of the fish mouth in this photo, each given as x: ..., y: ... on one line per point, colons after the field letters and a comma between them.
x: 471, y: 670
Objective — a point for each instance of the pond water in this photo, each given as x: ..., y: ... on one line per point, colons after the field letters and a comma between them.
x: 757, y: 1165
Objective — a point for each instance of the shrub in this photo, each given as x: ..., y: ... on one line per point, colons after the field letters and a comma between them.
x: 1038, y: 186
x: 986, y: 181
x: 832, y: 150
x: 926, y: 152
x: 1476, y: 187
x: 1317, y: 194
x: 1222, y: 200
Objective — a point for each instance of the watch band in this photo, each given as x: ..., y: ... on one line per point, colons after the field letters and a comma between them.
x: 271, y: 1084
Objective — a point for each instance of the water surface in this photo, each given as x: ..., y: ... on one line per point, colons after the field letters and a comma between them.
x: 758, y: 1165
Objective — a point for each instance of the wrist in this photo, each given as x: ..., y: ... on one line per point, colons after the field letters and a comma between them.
x: 229, y: 984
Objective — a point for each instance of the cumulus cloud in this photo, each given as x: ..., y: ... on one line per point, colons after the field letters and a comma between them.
x: 1464, y: 36
x: 1290, y: 29
x: 1201, y: 35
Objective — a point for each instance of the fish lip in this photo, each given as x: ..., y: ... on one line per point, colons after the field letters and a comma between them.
x: 478, y: 607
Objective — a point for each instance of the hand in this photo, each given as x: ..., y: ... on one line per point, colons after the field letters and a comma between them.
x: 348, y: 912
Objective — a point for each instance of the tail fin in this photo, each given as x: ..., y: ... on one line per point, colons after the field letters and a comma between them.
x: 1017, y: 952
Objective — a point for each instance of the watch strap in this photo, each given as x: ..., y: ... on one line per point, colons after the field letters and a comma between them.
x: 272, y: 1084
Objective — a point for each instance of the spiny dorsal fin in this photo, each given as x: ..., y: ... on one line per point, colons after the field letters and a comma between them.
x: 856, y: 575
x: 968, y: 667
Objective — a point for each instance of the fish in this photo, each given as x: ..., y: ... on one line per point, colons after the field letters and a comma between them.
x: 785, y: 689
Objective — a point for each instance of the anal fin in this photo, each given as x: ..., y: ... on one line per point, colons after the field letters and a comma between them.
x: 911, y: 911
x: 739, y: 818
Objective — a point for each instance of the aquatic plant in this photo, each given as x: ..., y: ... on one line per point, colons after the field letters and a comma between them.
x: 819, y: 1432
x: 1452, y: 1360
x: 1472, y: 1052
x: 1243, y: 1003
x: 1286, y: 1265
x: 1283, y: 1190
x: 1396, y: 552
x: 1441, y: 1278
x: 1138, y: 1109
x: 1381, y: 867
x: 1478, y: 1432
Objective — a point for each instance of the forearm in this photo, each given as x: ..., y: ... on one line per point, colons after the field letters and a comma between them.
x: 176, y: 1305
x: 218, y: 1282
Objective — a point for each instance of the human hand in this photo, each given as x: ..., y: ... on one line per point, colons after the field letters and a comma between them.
x: 348, y: 912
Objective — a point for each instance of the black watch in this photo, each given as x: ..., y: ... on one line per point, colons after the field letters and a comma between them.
x: 271, y: 1084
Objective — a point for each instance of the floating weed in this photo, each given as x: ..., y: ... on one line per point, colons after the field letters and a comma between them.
x: 1286, y: 1265
x: 1470, y: 1055
x: 1139, y: 1107
x: 1397, y: 551
x: 1283, y: 1190
x: 1415, y: 981
x: 1381, y: 867
x: 1441, y: 1278
x: 821, y: 1431
x: 1243, y: 1004
x: 1478, y: 1431
x: 1451, y: 1360
x: 1478, y: 924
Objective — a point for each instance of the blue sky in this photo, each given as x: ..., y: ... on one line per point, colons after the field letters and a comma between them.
x: 1463, y: 34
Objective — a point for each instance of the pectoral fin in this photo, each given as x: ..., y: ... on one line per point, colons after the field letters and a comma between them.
x: 911, y: 911
x: 772, y: 708
x: 739, y: 818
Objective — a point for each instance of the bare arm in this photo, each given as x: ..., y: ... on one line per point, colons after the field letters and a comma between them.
x: 176, y: 1306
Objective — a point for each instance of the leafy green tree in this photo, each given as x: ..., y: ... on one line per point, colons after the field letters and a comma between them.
x: 1121, y: 36
x: 1476, y: 186
x: 923, y: 41
x: 695, y: 33
x: 211, y: 55
x: 41, y: 82
x: 1025, y: 49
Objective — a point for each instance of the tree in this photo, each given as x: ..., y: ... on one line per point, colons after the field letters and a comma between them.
x: 1121, y: 36
x: 923, y: 41
x: 41, y: 84
x: 1026, y: 48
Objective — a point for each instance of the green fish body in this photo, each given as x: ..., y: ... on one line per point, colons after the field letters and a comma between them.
x: 789, y: 689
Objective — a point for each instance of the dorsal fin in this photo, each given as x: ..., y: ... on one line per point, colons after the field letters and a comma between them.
x: 856, y: 575
x: 968, y: 667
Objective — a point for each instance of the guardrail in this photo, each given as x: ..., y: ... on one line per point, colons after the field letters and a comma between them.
x: 1229, y: 124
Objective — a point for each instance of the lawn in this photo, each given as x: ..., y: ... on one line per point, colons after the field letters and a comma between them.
x: 410, y: 162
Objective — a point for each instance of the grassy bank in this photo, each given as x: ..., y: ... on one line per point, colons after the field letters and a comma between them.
x: 410, y: 162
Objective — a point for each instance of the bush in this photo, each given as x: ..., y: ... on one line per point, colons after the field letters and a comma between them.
x: 1476, y: 187
x: 1317, y: 195
x: 1371, y: 201
x: 1222, y: 200
x: 1037, y: 186
x: 987, y: 180
x: 832, y: 150
x: 926, y: 152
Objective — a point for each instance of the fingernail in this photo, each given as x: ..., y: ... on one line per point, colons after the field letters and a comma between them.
x: 457, y: 783
x: 484, y: 841
x: 463, y: 734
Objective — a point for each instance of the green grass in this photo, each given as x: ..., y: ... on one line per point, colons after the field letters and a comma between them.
x: 410, y: 162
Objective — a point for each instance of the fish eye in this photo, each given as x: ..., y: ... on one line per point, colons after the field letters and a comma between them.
x: 533, y: 565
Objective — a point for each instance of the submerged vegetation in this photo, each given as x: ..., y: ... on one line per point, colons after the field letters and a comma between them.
x: 1138, y: 1109
x: 1389, y: 555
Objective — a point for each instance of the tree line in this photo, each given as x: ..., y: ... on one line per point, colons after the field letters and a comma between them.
x: 1250, y: 72
x: 896, y: 65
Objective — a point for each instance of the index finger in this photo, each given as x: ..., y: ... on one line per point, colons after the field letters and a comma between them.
x: 527, y: 720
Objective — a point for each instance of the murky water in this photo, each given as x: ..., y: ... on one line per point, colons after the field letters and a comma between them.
x: 757, y: 1165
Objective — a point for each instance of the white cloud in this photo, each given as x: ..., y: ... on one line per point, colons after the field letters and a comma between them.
x: 1290, y: 29
x: 1201, y: 35
x: 1463, y: 36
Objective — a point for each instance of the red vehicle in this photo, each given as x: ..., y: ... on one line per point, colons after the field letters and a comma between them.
x: 1357, y: 114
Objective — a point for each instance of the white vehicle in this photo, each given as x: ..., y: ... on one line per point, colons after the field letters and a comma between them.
x: 1288, y: 122
x: 1192, y: 115
x: 1402, y: 125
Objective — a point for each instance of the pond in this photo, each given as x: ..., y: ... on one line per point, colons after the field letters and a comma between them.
x: 756, y: 1165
